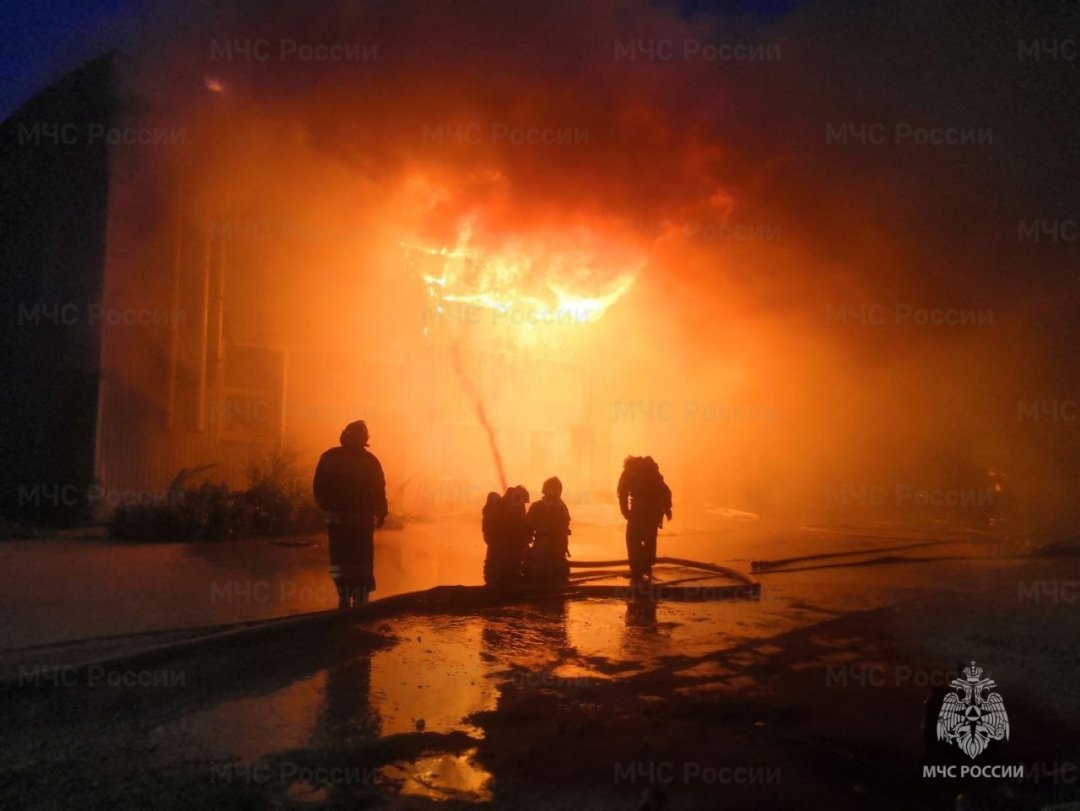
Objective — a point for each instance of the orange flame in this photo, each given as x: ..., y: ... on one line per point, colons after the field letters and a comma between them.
x: 526, y: 275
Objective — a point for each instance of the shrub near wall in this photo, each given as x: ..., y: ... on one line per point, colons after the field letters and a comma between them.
x: 275, y: 504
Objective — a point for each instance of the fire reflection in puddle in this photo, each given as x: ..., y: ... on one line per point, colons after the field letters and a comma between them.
x: 415, y: 709
x: 432, y: 679
x: 442, y: 777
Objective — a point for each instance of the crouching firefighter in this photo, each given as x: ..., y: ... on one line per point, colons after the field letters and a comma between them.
x: 351, y: 491
x: 549, y: 522
x: 506, y: 534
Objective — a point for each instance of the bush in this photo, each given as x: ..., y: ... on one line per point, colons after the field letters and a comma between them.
x: 274, y: 504
x: 275, y: 495
x: 204, y: 513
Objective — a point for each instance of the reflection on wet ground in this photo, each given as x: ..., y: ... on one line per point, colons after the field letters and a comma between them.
x: 432, y: 678
x: 441, y: 678
x: 440, y: 674
x: 454, y: 707
x: 177, y: 586
x: 441, y: 777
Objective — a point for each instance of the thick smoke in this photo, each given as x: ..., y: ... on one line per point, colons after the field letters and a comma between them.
x: 793, y: 239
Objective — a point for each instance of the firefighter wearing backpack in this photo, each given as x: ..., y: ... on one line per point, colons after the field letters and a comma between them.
x: 645, y: 500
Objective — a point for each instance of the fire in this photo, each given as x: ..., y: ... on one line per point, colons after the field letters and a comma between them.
x: 532, y: 280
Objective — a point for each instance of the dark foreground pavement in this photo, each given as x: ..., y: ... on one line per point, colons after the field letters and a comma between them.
x: 810, y: 697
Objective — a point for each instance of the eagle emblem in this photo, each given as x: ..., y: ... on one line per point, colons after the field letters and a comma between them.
x: 971, y: 717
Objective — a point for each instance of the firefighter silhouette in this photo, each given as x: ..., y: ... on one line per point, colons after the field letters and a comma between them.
x: 506, y: 534
x: 644, y: 499
x: 549, y: 524
x: 350, y: 489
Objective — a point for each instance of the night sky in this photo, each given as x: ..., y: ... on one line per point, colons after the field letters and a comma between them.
x: 45, y: 38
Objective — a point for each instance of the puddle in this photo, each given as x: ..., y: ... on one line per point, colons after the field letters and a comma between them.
x: 443, y: 671
x: 433, y: 678
x: 444, y: 674
x: 442, y: 778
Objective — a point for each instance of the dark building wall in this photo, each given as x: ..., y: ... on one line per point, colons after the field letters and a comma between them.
x: 54, y: 184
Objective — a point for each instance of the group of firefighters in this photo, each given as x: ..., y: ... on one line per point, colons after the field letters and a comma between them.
x: 533, y: 545
x: 525, y: 544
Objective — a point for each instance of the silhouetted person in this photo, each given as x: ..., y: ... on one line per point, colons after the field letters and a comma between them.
x: 491, y: 518
x: 498, y: 564
x: 644, y: 499
x: 506, y: 533
x: 350, y: 489
x: 549, y: 523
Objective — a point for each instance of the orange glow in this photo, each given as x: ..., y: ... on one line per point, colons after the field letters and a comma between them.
x: 644, y: 288
x: 524, y: 275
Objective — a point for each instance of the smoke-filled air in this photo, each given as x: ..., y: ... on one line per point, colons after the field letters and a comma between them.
x: 516, y: 254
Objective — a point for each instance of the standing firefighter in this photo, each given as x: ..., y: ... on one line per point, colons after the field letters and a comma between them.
x: 351, y: 491
x: 549, y: 522
x: 644, y: 499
